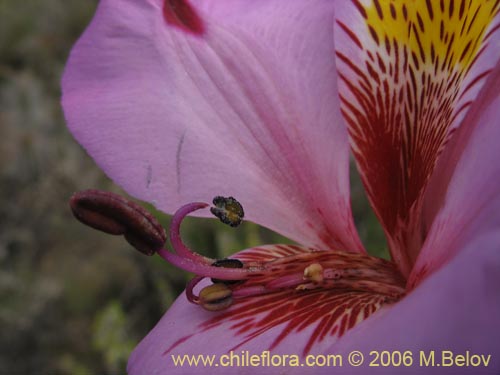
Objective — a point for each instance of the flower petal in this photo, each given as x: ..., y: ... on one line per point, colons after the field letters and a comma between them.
x: 221, y: 100
x: 408, y: 74
x: 287, y: 321
x: 473, y: 192
x: 455, y: 309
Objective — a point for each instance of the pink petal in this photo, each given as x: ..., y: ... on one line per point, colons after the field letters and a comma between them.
x: 409, y: 72
x: 222, y: 100
x: 473, y: 190
x: 455, y: 309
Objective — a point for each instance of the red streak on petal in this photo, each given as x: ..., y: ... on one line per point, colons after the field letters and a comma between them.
x: 178, y: 342
x: 419, y: 276
x: 181, y: 14
x: 332, y: 314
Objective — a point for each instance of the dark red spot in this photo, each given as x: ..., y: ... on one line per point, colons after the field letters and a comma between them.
x: 181, y: 14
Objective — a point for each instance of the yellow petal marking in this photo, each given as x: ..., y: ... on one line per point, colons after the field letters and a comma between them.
x: 450, y: 32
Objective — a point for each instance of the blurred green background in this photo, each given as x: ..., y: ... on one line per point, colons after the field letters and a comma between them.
x: 73, y: 300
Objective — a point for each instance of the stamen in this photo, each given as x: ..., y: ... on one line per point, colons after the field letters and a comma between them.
x: 227, y: 263
x: 113, y: 214
x: 175, y: 236
x: 206, y: 270
x: 228, y: 210
x: 314, y: 273
x: 190, y: 287
x: 228, y: 271
x: 325, y: 270
x: 215, y: 297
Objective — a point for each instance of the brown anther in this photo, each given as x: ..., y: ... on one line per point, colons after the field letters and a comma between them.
x: 314, y: 273
x: 227, y: 263
x: 215, y: 297
x: 113, y: 214
x: 228, y: 210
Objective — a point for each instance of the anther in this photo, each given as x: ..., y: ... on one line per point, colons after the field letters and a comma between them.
x: 227, y: 263
x: 215, y: 297
x: 113, y: 214
x: 314, y: 273
x: 228, y: 210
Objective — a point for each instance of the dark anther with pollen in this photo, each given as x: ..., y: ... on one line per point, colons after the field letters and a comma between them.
x: 227, y: 263
x: 228, y: 210
x: 216, y: 297
x: 113, y: 214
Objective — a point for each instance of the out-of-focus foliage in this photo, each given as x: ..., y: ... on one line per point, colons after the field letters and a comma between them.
x: 72, y: 300
x: 111, y: 336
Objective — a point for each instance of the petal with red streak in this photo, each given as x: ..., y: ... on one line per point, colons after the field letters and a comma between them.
x: 408, y: 73
x: 471, y: 195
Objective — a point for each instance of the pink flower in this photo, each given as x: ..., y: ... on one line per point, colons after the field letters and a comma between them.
x: 180, y: 102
